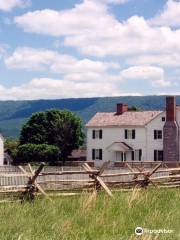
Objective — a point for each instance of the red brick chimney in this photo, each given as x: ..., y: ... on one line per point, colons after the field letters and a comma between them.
x: 171, y: 131
x: 170, y: 108
x: 121, y: 108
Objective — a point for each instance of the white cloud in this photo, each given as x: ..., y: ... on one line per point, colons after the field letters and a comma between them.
x: 45, y: 88
x: 166, y: 60
x: 134, y: 36
x: 107, y: 36
x: 8, y: 5
x: 85, y: 84
x: 91, y: 29
x: 175, y: 93
x: 82, y: 70
x: 155, y: 75
x: 112, y: 1
x: 142, y: 72
x: 30, y: 59
x: 170, y: 16
x: 82, y: 66
x: 43, y: 59
x: 72, y: 21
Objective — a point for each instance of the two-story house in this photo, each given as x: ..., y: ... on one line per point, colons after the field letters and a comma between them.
x: 134, y: 135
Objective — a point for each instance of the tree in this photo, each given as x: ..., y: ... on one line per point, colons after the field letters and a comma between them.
x: 36, y: 153
x: 10, y: 146
x: 134, y: 109
x: 60, y: 128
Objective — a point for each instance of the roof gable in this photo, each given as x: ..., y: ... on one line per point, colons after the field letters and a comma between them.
x: 119, y: 146
x: 111, y: 119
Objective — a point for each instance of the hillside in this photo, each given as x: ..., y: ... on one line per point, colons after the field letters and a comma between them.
x: 14, y: 113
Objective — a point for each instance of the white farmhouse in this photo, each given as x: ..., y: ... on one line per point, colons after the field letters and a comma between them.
x: 134, y: 136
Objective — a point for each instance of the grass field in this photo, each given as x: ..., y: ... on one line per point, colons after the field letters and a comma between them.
x: 93, y: 218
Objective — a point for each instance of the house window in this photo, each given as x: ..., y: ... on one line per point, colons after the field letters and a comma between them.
x: 129, y: 134
x: 163, y: 119
x: 132, y: 155
x: 158, y: 155
x: 97, y: 154
x: 157, y: 134
x: 138, y: 154
x: 97, y: 134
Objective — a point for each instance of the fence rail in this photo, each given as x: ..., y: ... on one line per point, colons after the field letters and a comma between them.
x: 28, y: 180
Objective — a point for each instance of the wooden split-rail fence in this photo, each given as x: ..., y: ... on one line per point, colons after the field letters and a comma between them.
x: 28, y: 182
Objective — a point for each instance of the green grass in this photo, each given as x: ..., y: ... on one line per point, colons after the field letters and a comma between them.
x: 99, y: 218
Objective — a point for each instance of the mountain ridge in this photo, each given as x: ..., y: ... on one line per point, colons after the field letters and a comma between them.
x: 14, y: 113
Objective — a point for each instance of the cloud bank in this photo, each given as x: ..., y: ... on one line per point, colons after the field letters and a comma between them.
x: 110, y: 52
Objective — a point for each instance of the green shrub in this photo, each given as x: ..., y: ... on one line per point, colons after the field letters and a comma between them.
x: 36, y: 153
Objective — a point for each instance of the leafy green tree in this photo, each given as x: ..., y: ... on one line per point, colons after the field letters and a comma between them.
x: 10, y: 145
x: 60, y: 128
x: 36, y: 153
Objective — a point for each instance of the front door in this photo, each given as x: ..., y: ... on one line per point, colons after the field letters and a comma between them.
x: 120, y: 156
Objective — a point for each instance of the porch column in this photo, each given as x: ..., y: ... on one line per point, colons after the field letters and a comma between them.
x: 123, y: 156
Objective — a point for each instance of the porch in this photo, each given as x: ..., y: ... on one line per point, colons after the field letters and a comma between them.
x: 123, y: 152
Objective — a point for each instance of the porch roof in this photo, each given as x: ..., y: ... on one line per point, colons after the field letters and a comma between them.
x: 119, y: 147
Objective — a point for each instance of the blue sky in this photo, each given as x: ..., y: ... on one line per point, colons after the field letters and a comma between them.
x: 88, y: 48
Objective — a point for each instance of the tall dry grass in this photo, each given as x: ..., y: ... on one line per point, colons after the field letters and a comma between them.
x: 93, y: 217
